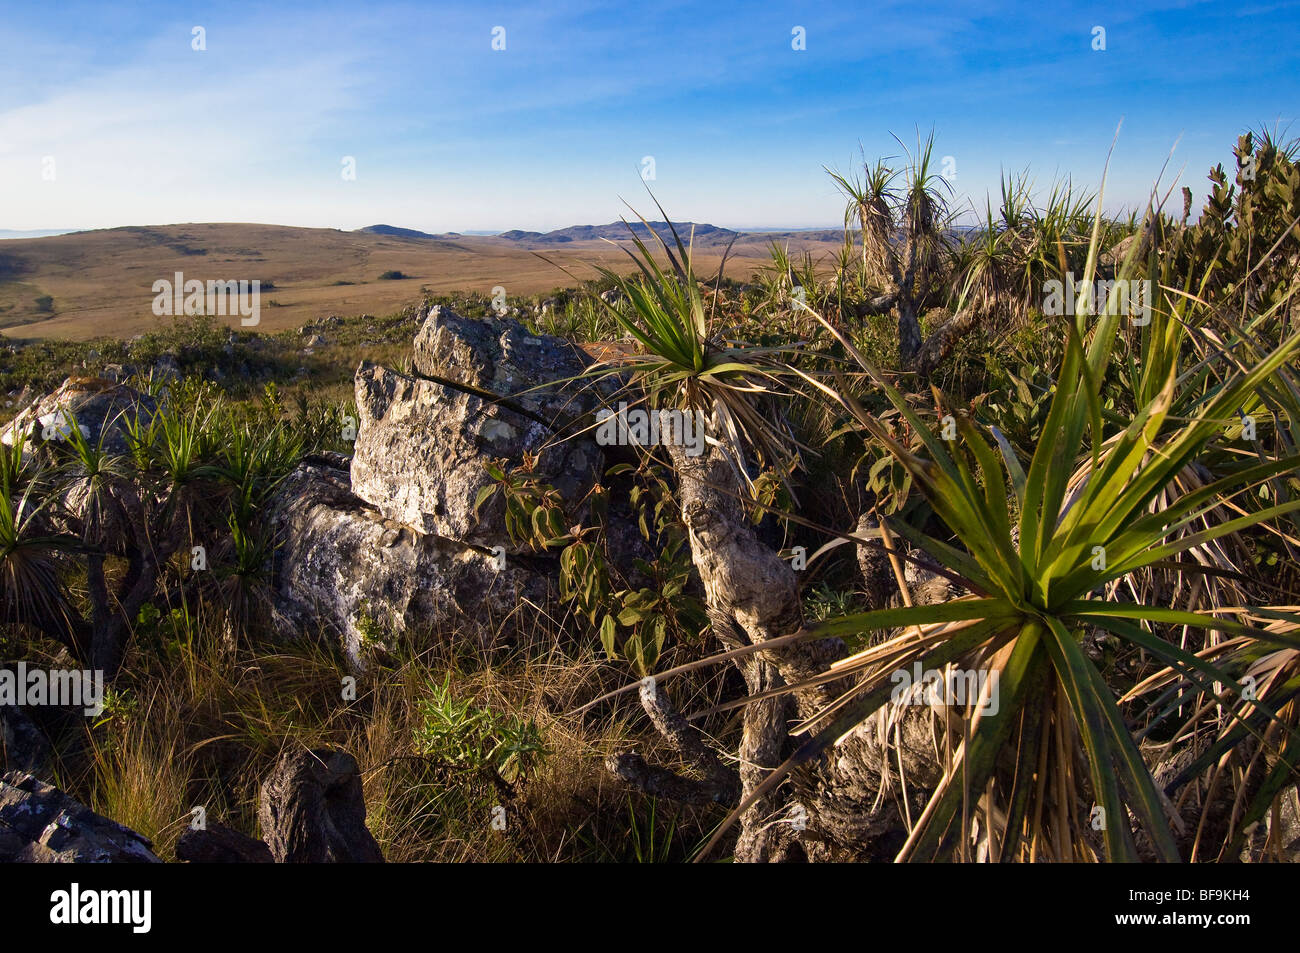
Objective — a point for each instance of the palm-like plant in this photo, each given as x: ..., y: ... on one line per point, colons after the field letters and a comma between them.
x: 1037, y: 561
x: 243, y: 574
x: 904, y: 234
x: 17, y: 466
x: 183, y: 463
x: 252, y: 464
x: 925, y: 214
x: 30, y: 588
x: 871, y: 199
x: 1203, y: 340
x: 684, y: 365
x: 96, y: 489
x: 985, y: 273
x: 1016, y: 208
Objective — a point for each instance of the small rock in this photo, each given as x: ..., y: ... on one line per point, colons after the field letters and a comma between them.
x: 23, y: 746
x: 218, y: 844
x: 167, y: 368
x: 41, y: 824
x: 312, y: 810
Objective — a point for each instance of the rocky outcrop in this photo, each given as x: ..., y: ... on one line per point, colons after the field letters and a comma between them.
x: 96, y: 406
x: 421, y: 448
x: 535, y: 371
x: 41, y: 824
x: 312, y: 810
x: 344, y: 568
x: 395, y: 542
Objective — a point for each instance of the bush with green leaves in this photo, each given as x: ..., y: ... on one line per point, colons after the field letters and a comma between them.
x: 459, y: 734
x: 634, y: 621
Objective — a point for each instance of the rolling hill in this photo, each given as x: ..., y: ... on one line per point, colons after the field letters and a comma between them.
x: 99, y: 283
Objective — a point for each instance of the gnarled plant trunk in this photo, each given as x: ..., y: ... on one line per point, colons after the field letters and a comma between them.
x: 941, y: 341
x: 843, y: 807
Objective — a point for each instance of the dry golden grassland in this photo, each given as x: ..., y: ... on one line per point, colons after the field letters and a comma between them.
x: 101, y: 281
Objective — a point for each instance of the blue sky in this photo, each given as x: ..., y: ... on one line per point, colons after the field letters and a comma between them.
x: 449, y: 134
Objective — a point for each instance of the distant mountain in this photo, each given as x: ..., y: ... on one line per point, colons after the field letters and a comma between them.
x: 705, y: 235
x: 395, y: 232
x: 616, y: 231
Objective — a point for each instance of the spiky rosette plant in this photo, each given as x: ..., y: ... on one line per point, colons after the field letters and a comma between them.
x: 30, y: 589
x: 1052, y: 769
x: 685, y: 366
x: 1249, y: 739
x: 871, y: 197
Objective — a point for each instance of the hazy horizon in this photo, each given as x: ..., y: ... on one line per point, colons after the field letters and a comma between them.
x: 10, y: 234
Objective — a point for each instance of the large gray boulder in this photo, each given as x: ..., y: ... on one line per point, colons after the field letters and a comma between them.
x: 346, y: 569
x: 96, y: 406
x: 41, y: 824
x: 503, y: 357
x: 422, y: 446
